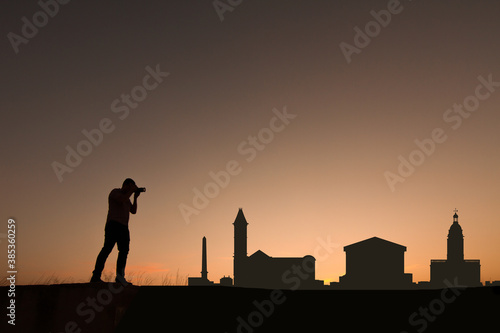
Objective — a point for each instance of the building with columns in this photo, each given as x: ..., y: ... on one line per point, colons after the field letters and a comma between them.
x: 375, y: 263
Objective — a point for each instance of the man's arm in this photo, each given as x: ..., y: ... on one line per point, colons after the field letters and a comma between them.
x: 133, y: 208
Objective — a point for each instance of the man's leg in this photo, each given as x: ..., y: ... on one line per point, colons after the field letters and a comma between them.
x: 109, y: 242
x: 123, y: 243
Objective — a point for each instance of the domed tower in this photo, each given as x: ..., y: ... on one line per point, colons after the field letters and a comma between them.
x: 456, y: 268
x: 455, y: 241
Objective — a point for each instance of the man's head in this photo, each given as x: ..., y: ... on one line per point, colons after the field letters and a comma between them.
x: 129, y: 186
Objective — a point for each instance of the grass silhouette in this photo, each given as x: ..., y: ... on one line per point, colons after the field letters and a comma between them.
x: 137, y: 278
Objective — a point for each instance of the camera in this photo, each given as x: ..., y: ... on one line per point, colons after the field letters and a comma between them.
x: 141, y: 189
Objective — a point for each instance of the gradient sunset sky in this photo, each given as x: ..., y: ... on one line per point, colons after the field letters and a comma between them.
x: 322, y: 175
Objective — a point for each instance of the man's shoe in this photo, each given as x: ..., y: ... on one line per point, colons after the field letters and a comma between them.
x: 121, y: 279
x: 96, y: 279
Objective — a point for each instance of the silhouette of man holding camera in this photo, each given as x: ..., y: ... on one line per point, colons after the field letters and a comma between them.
x: 116, y: 230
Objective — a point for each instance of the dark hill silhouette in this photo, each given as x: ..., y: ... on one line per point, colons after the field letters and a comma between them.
x: 227, y: 309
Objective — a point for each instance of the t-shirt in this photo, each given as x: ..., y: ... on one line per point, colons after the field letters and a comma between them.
x: 119, y: 207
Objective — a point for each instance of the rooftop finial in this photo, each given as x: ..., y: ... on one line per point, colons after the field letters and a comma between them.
x: 455, y: 217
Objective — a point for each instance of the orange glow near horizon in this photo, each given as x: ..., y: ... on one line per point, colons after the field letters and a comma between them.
x: 329, y: 266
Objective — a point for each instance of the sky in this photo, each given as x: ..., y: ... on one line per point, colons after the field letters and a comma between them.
x: 327, y: 122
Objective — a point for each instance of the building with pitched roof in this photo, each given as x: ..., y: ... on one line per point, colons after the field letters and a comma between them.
x: 375, y: 263
x: 260, y: 270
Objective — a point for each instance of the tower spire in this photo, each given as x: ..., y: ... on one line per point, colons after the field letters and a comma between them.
x: 204, y: 273
x: 240, y: 235
x: 455, y: 241
x: 240, y: 248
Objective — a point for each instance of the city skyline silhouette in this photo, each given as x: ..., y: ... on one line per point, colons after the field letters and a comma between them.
x: 372, y: 263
